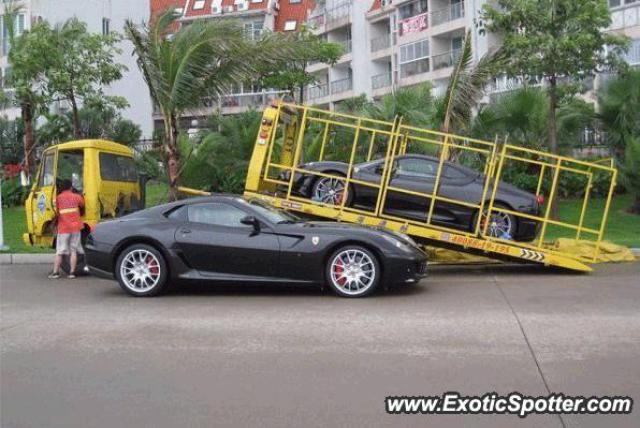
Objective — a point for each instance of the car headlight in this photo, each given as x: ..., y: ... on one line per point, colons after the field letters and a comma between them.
x: 398, y: 243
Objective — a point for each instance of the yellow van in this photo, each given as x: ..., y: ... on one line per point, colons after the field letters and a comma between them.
x: 102, y: 171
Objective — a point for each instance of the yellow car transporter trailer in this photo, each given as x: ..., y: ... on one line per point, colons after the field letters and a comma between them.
x: 291, y: 132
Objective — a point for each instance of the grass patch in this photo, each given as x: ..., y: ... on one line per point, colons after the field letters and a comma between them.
x: 622, y: 227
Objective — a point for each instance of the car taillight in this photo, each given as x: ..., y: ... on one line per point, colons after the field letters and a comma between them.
x: 540, y: 199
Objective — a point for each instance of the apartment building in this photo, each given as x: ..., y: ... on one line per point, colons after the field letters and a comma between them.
x: 101, y: 16
x: 256, y: 16
x: 398, y: 43
x: 392, y: 43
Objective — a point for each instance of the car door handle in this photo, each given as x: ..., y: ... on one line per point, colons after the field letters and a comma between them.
x: 185, y: 231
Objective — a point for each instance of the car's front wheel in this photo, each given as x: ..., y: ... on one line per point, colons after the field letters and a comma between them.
x: 141, y: 271
x: 353, y: 271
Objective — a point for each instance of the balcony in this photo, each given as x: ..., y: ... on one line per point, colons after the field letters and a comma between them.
x: 625, y: 16
x: 633, y: 55
x: 380, y: 43
x: 381, y: 81
x: 451, y: 13
x: 236, y: 103
x: 342, y: 85
x: 346, y: 46
x: 332, y: 18
x: 317, y: 91
x: 445, y: 60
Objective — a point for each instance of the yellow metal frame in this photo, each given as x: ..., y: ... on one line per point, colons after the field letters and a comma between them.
x: 396, y: 139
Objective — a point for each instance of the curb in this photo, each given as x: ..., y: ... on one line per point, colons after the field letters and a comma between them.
x: 26, y: 259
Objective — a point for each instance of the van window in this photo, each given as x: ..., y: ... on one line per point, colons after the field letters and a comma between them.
x: 46, y: 177
x: 117, y: 168
x: 70, y: 167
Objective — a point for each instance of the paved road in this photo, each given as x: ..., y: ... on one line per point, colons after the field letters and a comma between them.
x: 82, y: 354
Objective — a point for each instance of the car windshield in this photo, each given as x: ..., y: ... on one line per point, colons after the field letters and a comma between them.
x: 273, y: 214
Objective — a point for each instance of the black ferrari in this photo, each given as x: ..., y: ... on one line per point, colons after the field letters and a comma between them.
x: 417, y: 173
x: 225, y: 238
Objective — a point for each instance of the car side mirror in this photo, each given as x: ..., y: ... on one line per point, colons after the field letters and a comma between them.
x: 251, y: 221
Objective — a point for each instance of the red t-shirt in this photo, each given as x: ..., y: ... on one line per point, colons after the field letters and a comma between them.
x: 68, y: 205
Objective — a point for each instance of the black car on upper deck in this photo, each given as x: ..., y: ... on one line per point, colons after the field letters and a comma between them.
x: 417, y: 173
x: 226, y: 238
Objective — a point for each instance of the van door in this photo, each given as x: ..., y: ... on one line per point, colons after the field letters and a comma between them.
x: 42, y: 203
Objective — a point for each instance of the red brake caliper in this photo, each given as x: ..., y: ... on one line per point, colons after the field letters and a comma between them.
x: 153, y: 268
x: 337, y: 270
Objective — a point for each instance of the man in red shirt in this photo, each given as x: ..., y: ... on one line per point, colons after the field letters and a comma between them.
x: 68, y: 206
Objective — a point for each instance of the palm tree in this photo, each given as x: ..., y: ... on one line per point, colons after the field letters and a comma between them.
x: 186, y: 67
x: 619, y: 107
x: 466, y: 86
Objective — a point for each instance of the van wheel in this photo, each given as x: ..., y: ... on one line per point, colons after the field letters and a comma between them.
x: 141, y: 271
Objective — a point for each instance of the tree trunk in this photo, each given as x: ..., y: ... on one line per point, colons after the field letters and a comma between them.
x: 173, y: 156
x: 635, y: 208
x: 77, y: 133
x: 553, y: 134
x: 29, y: 138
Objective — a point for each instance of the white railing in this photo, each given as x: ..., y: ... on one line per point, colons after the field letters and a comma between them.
x: 379, y: 43
x: 507, y: 84
x: 317, y: 91
x: 381, y: 81
x: 342, y: 85
x: 450, y: 13
x: 445, y: 60
x: 331, y: 16
x: 249, y: 99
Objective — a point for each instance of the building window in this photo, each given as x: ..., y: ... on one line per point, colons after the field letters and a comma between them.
x: 198, y: 4
x: 18, y: 27
x: 295, y: 1
x: 290, y: 25
x: 253, y: 29
x: 633, y: 55
x: 414, y: 58
x: 412, y: 9
x: 106, y: 26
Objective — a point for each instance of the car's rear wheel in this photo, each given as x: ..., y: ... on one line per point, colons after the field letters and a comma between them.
x: 142, y: 271
x: 332, y: 190
x: 501, y: 225
x: 353, y: 271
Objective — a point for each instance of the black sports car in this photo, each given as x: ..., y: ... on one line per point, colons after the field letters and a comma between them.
x: 226, y: 238
x: 418, y: 173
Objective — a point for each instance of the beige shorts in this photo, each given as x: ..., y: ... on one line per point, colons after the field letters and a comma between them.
x: 68, y: 243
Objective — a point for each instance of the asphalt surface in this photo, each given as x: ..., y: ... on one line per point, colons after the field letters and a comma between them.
x: 82, y: 354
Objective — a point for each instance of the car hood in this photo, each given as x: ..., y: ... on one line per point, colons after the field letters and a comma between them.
x: 338, y: 227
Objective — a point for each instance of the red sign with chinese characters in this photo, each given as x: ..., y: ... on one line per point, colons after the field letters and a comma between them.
x: 415, y: 23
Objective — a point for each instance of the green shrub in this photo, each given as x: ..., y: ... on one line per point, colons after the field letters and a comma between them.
x: 13, y: 194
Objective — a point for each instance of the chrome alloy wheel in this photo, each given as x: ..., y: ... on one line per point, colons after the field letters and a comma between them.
x: 140, y: 271
x: 500, y: 224
x: 353, y: 272
x: 329, y: 191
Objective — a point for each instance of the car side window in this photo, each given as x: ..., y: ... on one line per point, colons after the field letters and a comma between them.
x: 452, y: 172
x: 415, y: 167
x: 216, y: 214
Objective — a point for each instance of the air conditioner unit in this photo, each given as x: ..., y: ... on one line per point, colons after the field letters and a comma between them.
x: 243, y: 6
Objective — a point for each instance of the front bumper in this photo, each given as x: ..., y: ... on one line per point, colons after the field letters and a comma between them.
x: 405, y: 270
